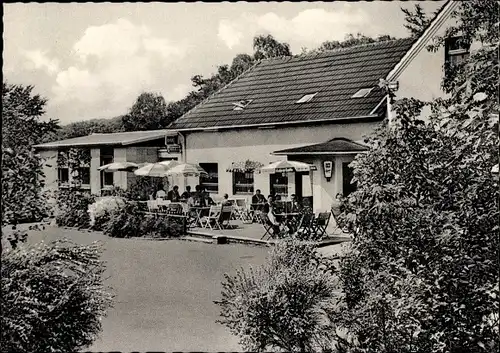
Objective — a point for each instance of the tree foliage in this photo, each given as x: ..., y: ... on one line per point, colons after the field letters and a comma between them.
x: 53, y: 297
x: 423, y: 272
x: 22, y: 177
x: 416, y: 21
x: 149, y: 112
x: 266, y: 46
x: 350, y: 41
x: 283, y: 305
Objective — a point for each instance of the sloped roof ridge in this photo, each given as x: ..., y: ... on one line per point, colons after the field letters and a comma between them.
x: 219, y: 90
x: 337, y: 50
x: 128, y: 132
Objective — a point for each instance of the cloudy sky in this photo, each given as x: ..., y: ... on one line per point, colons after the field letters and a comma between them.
x: 93, y: 60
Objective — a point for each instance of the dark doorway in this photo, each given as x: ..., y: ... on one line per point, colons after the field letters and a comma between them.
x: 347, y: 175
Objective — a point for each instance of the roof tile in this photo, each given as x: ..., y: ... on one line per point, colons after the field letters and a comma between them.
x: 275, y: 85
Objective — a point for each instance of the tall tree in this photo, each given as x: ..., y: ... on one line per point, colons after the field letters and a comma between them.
x: 22, y: 127
x: 22, y: 110
x: 266, y: 46
x: 149, y: 112
x: 416, y: 21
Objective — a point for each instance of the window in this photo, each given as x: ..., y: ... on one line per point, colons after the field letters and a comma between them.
x: 242, y: 104
x: 107, y: 156
x: 242, y: 183
x: 85, y: 175
x: 363, y: 92
x: 63, y: 175
x: 306, y: 98
x: 210, y: 182
x: 456, y: 50
x: 279, y: 183
x: 107, y: 178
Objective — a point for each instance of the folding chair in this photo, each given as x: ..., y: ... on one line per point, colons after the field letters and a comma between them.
x: 212, y: 218
x: 241, y: 210
x: 335, y: 211
x: 268, y: 227
x: 306, y: 224
x: 225, y: 216
x: 321, y: 223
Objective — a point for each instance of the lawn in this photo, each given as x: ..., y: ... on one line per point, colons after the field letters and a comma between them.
x: 164, y: 291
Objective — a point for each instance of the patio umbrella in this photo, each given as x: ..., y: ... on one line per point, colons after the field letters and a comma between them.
x: 119, y: 167
x: 187, y: 170
x: 157, y: 169
x: 287, y: 167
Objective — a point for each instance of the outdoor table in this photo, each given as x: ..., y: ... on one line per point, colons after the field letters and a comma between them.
x: 199, y: 213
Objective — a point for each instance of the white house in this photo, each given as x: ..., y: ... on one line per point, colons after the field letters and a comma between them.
x: 312, y: 108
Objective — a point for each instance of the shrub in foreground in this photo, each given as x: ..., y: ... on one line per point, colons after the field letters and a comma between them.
x: 53, y: 297
x: 128, y: 221
x: 72, y: 208
x: 285, y: 304
x: 100, y: 211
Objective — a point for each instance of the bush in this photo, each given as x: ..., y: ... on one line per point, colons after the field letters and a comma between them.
x: 53, y: 297
x: 72, y: 208
x: 100, y: 211
x: 423, y: 273
x: 286, y: 304
x: 129, y: 222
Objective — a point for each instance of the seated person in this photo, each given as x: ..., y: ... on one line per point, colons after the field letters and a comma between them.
x: 160, y: 192
x: 225, y: 201
x: 198, y: 198
x: 258, y: 197
x: 186, y: 194
x: 269, y: 211
x: 296, y: 206
x: 173, y: 195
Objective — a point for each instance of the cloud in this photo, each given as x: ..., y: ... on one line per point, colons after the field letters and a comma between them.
x: 38, y: 59
x: 112, y: 65
x: 309, y: 27
x: 229, y: 33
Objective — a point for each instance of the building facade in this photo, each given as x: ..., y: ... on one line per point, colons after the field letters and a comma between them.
x: 314, y: 108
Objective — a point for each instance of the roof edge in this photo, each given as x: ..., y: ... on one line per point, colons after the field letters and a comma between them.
x: 419, y: 44
x: 371, y: 116
x: 290, y: 151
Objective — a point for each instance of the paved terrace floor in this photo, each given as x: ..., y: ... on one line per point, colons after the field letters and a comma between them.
x: 256, y: 231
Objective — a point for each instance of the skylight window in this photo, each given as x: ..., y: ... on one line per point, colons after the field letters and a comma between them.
x: 242, y: 104
x: 363, y: 92
x: 306, y: 98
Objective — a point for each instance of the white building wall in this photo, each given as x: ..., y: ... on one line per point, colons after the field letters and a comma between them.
x: 226, y: 147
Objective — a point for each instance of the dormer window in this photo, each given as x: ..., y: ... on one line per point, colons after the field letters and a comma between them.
x: 306, y: 98
x: 363, y: 92
x: 456, y: 50
x: 242, y: 104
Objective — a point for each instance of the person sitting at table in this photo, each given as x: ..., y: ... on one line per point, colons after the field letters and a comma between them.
x: 258, y: 197
x: 198, y: 198
x: 225, y: 201
x: 186, y: 194
x: 159, y: 192
x: 296, y: 206
x: 269, y: 211
x: 173, y: 195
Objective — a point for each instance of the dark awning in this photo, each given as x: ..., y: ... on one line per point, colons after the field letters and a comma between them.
x: 338, y: 145
x: 244, y: 166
